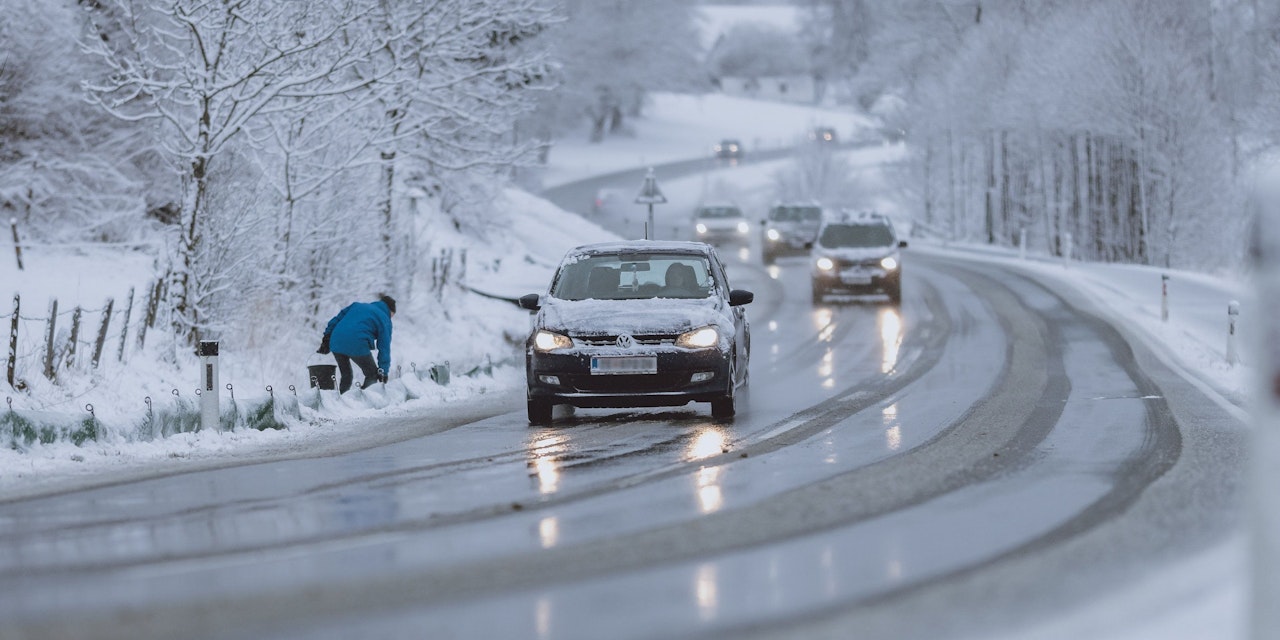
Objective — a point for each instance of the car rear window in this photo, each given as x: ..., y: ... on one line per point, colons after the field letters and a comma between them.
x: 633, y: 276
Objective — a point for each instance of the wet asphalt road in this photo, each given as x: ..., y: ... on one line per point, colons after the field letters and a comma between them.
x: 983, y: 457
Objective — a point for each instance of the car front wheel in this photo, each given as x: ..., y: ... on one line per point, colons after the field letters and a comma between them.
x: 818, y: 294
x: 539, y: 412
x: 727, y: 406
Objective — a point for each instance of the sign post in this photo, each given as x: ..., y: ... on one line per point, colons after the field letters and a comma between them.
x: 650, y: 194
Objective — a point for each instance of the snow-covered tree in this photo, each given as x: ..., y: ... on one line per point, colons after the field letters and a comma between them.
x: 207, y: 71
x: 67, y: 171
x: 612, y: 54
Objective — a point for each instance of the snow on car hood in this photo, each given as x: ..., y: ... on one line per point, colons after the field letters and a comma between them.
x: 636, y: 317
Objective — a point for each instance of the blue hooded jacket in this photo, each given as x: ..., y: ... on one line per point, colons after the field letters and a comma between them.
x: 356, y: 330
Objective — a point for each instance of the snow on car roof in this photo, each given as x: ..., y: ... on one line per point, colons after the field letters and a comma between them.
x: 645, y: 246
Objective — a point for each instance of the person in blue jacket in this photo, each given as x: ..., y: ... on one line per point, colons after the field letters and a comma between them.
x: 352, y: 335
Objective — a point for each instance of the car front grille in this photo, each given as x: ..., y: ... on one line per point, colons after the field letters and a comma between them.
x: 653, y: 340
x: 629, y: 383
x: 866, y: 262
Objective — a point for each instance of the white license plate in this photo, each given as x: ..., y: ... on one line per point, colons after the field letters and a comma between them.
x: 622, y: 365
x: 855, y: 277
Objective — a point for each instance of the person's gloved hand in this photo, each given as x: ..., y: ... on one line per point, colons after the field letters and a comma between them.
x: 324, y: 345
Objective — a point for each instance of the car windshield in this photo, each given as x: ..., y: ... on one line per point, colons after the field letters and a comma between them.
x: 719, y: 212
x: 796, y: 214
x: 633, y: 276
x: 856, y: 236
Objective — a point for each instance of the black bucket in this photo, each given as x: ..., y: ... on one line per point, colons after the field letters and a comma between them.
x: 322, y: 375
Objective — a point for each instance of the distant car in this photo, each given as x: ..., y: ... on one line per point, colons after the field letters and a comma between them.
x: 637, y: 324
x: 720, y: 222
x: 893, y: 134
x: 789, y: 229
x: 823, y: 135
x: 729, y: 149
x: 606, y: 199
x: 857, y: 253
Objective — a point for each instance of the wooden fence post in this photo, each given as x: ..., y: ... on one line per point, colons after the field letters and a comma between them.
x: 150, y: 319
x: 13, y: 340
x: 75, y: 338
x: 17, y: 244
x: 124, y: 326
x: 48, y: 350
x: 102, y: 332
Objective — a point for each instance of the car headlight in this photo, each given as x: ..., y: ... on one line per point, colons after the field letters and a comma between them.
x: 698, y: 338
x: 824, y: 263
x: 733, y: 147
x: 743, y: 227
x: 545, y: 340
x: 889, y: 263
x: 773, y: 235
x: 702, y: 228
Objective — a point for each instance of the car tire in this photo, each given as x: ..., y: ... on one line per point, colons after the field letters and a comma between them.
x: 768, y: 258
x: 818, y: 294
x: 895, y: 293
x: 727, y: 406
x: 539, y: 412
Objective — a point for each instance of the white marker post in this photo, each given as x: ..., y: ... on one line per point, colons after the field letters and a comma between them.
x: 1164, y: 298
x: 1067, y: 247
x: 209, y: 415
x: 1233, y: 312
x: 1022, y: 243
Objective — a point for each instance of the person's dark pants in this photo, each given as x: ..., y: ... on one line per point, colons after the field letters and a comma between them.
x: 367, y: 366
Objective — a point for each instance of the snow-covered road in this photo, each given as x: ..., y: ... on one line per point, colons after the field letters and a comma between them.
x: 991, y: 452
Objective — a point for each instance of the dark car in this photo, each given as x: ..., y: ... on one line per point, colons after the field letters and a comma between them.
x: 857, y: 253
x: 729, y: 149
x: 823, y: 135
x: 789, y: 229
x: 637, y: 324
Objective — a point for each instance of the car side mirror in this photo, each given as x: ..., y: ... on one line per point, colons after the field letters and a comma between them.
x: 808, y: 245
x: 530, y: 302
x: 902, y: 244
x: 739, y: 297
x: 763, y: 222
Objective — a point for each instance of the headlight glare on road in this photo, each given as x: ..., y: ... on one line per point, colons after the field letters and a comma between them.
x: 702, y: 228
x: 698, y: 338
x: 824, y: 263
x: 773, y: 235
x: 890, y: 263
x: 545, y: 340
x: 743, y: 227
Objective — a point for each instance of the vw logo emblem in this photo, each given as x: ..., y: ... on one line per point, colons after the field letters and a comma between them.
x: 625, y: 341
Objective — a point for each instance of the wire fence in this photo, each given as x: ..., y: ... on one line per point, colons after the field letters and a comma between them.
x: 76, y: 338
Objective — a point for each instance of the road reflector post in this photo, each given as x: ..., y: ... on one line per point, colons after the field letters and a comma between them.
x: 1022, y: 243
x: 208, y: 352
x: 1233, y: 312
x: 1164, y: 297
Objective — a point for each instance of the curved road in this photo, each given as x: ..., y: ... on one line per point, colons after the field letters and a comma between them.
x: 987, y: 456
